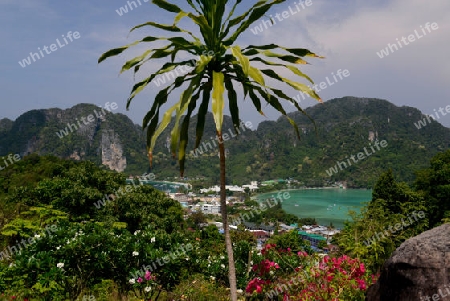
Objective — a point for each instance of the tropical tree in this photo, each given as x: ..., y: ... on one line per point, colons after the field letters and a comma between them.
x: 218, y: 66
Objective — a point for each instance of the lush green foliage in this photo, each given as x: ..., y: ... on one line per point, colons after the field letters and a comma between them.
x: 434, y: 183
x: 96, y: 252
x: 398, y: 212
x: 291, y: 240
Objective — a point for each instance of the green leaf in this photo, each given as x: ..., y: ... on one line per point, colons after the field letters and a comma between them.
x: 273, y: 101
x: 131, y: 63
x: 256, y: 75
x: 171, y: 28
x: 202, y: 63
x: 178, y: 17
x: 243, y: 60
x: 301, y: 52
x: 160, y: 99
x: 286, y: 58
x: 201, y: 115
x: 167, y: 117
x: 167, y: 67
x: 184, y: 44
x: 183, y: 105
x: 255, y: 15
x: 281, y: 94
x: 230, y: 14
x: 233, y: 105
x: 167, y: 6
x: 115, y: 51
x: 184, y: 131
x: 295, y: 85
x: 217, y: 99
x: 295, y: 70
x: 255, y: 100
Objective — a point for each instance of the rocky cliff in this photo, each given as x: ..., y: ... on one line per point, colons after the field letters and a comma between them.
x: 83, y: 132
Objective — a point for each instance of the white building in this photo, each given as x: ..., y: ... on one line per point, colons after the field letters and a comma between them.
x: 210, y: 209
x: 253, y: 186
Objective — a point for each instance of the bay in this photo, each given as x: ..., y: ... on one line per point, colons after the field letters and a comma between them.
x: 325, y: 205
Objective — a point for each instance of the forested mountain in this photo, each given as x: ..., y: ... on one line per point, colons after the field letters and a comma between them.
x: 344, y: 127
x: 105, y: 138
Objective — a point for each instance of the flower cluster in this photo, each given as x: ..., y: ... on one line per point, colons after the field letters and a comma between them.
x: 308, y: 278
x: 340, y: 278
x: 256, y: 285
x: 265, y: 267
x: 144, y: 285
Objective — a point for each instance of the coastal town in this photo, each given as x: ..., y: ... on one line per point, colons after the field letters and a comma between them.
x: 206, y: 201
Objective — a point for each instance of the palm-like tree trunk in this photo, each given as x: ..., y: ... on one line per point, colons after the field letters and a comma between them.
x: 223, y: 208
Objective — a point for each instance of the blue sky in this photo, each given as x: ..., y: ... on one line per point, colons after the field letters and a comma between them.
x: 349, y: 33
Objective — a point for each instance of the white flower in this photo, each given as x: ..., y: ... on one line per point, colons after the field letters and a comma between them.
x: 271, y: 272
x: 60, y: 265
x: 37, y: 236
x: 59, y: 247
x: 222, y: 257
x: 222, y: 266
x: 135, y: 253
x: 212, y: 278
x: 132, y: 281
x: 137, y: 232
x: 147, y: 289
x: 239, y: 291
x: 187, y: 258
x: 153, y: 239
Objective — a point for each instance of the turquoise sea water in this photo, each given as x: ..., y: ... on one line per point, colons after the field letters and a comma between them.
x: 326, y: 205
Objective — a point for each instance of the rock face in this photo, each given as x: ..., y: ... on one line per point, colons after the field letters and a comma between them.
x: 112, y: 152
x: 418, y: 270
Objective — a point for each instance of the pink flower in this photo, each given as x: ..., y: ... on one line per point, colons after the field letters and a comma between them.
x: 255, y: 284
x: 140, y: 280
x: 362, y: 284
x: 361, y: 268
x: 147, y: 275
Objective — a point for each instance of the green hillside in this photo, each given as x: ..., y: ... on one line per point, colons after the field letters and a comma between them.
x: 270, y: 151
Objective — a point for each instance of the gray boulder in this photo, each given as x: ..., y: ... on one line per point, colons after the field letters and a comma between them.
x: 418, y: 270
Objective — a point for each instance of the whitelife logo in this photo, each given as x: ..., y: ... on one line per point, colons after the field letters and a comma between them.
x: 360, y: 156
x: 322, y: 85
x: 10, y: 158
x: 86, y: 120
x: 124, y: 9
x: 265, y: 24
x: 423, y: 122
x: 52, y: 48
x: 207, y: 146
x: 411, y: 38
